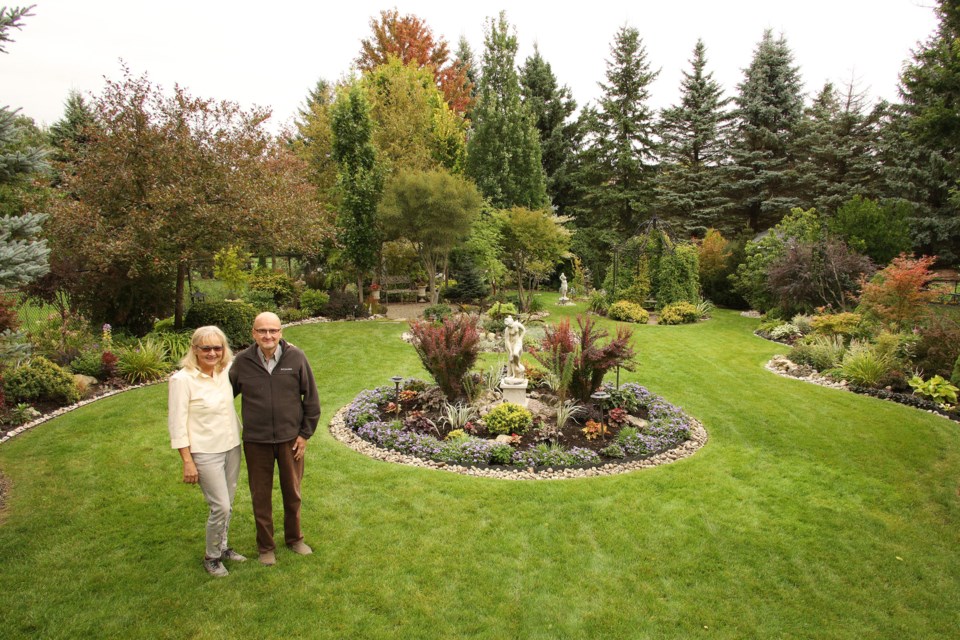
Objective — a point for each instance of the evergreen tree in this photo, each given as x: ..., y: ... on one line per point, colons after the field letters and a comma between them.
x: 924, y: 137
x: 693, y: 149
x: 72, y: 130
x: 620, y: 155
x: 463, y: 59
x: 313, y: 141
x: 503, y: 153
x: 22, y: 256
x: 359, y: 180
x: 762, y: 180
x: 836, y: 150
x: 552, y: 106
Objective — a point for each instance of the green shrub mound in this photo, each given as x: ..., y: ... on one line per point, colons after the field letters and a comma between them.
x: 277, y: 283
x: 235, y: 319
x: 260, y: 300
x: 40, y: 379
x: 313, y: 300
x: 88, y: 363
x: 343, y: 305
x: 437, y: 312
x: 508, y: 418
x: 501, y: 310
x: 626, y: 311
x: 679, y: 313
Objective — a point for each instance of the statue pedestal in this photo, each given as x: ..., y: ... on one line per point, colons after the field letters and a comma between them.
x: 514, y: 390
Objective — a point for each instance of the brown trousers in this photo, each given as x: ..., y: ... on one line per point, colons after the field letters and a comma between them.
x: 260, y: 462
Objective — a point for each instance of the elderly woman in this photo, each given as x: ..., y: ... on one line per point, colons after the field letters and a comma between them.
x: 205, y: 429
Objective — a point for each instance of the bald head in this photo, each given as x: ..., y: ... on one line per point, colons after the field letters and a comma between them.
x: 267, y: 332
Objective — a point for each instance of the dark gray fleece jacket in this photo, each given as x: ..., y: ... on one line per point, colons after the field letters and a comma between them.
x: 280, y: 406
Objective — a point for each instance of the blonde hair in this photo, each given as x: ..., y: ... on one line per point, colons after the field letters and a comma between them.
x: 189, y: 360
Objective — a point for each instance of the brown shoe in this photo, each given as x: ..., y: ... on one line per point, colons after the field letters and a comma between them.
x: 301, y: 548
x: 268, y: 558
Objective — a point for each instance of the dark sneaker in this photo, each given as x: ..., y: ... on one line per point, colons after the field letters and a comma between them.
x: 215, y: 568
x: 300, y: 547
x: 232, y: 556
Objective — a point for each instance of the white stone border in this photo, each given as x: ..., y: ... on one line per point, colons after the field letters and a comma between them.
x: 781, y: 365
x: 343, y: 434
x: 56, y: 413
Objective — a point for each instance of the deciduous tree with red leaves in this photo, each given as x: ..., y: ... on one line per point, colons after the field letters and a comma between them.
x: 410, y: 39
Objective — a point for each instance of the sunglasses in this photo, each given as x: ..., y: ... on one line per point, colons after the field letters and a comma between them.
x: 209, y: 348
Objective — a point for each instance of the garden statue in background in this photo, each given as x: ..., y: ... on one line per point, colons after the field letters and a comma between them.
x: 563, y: 288
x: 513, y: 332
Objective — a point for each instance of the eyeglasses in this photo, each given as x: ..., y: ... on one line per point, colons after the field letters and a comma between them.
x: 208, y: 348
x: 266, y: 332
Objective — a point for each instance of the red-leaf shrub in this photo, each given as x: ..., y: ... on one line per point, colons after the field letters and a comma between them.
x: 590, y: 359
x: 447, y: 350
x: 897, y: 293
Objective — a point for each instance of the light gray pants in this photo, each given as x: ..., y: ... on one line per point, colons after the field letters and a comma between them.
x: 218, y: 481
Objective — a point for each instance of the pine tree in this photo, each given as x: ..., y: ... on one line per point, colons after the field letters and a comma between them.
x: 693, y: 149
x: 359, y: 180
x: 836, y: 150
x: 761, y: 180
x: 22, y: 256
x: 503, y: 153
x: 620, y: 155
x: 923, y: 138
x: 552, y: 106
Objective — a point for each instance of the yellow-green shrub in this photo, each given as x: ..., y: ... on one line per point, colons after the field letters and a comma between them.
x: 508, y: 418
x: 679, y: 313
x: 627, y: 311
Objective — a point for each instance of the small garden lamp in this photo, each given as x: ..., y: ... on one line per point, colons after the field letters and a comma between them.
x: 598, y: 397
x: 396, y: 383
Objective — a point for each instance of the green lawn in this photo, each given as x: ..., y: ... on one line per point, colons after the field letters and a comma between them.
x: 810, y: 513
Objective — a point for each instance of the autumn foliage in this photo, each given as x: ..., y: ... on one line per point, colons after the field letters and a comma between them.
x: 410, y: 39
x: 898, y: 293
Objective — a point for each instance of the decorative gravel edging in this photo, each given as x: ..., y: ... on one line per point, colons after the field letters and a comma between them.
x: 784, y: 367
x: 343, y: 434
x: 56, y: 413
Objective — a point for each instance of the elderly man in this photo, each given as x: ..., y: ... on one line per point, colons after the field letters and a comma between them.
x: 280, y: 409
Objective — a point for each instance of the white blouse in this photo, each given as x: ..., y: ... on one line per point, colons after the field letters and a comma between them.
x: 202, y: 415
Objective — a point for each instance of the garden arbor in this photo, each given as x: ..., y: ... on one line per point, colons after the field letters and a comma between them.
x: 660, y: 267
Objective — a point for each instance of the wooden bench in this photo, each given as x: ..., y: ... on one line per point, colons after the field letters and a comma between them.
x: 398, y: 289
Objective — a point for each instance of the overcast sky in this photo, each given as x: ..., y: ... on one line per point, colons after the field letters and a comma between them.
x: 271, y: 53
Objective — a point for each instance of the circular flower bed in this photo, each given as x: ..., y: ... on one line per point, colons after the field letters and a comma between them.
x: 635, y: 429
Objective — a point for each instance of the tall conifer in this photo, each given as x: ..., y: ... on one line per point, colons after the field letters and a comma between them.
x: 762, y: 180
x: 503, y: 153
x: 693, y: 149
